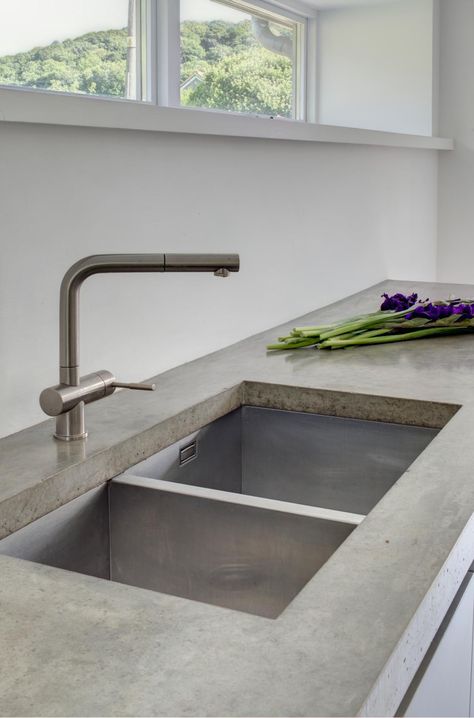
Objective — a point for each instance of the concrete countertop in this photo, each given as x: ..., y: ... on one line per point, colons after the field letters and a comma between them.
x: 349, y: 643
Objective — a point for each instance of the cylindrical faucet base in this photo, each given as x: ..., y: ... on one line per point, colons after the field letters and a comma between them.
x: 71, y: 426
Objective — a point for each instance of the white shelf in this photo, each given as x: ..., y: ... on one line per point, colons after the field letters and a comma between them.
x: 30, y: 106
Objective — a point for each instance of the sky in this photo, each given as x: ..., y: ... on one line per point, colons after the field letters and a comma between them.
x: 207, y: 10
x: 25, y: 24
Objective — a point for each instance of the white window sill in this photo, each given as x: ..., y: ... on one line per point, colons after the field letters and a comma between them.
x: 30, y: 106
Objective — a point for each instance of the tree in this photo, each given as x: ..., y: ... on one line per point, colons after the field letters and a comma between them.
x: 237, y: 73
x: 95, y: 63
x: 206, y: 43
x: 255, y: 81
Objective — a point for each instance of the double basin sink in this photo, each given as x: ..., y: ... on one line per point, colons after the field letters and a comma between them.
x: 240, y: 514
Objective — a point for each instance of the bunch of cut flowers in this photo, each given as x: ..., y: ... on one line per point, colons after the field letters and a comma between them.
x: 400, y: 318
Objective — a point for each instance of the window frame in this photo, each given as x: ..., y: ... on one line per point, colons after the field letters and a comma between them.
x: 300, y: 64
x: 159, y: 49
x: 162, y: 112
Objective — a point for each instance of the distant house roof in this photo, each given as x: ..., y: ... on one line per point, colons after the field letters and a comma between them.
x: 192, y: 82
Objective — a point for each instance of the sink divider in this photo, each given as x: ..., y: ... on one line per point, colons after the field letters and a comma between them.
x: 241, y: 499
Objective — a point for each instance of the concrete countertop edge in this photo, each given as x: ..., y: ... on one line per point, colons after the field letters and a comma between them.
x: 399, y: 671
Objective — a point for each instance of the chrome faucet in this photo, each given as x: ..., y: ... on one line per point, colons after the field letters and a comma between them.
x: 66, y: 400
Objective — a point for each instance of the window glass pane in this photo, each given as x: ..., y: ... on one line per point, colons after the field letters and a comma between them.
x: 233, y: 59
x: 69, y: 46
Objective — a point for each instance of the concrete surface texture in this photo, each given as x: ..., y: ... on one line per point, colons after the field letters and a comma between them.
x: 350, y: 642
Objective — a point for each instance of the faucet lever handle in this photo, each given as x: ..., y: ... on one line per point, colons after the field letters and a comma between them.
x: 137, y: 387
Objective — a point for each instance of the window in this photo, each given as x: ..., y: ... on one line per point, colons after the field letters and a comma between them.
x: 277, y: 59
x: 88, y: 47
x: 237, y: 57
x: 225, y: 55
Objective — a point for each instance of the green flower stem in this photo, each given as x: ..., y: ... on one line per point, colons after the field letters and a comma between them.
x: 363, y: 324
x: 292, y: 345
x: 372, y: 333
x: 359, y: 333
x: 286, y: 343
x: 322, y: 328
x: 312, y: 331
x: 365, y: 340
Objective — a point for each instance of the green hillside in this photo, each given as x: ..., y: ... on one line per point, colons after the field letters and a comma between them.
x: 94, y: 64
x: 236, y: 72
x: 231, y: 70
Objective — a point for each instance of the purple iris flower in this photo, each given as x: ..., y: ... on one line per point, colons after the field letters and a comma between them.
x: 465, y: 310
x: 430, y: 311
x: 398, y: 302
x: 433, y: 312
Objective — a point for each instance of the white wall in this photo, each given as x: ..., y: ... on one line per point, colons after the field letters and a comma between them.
x: 312, y: 223
x: 376, y: 66
x: 456, y: 169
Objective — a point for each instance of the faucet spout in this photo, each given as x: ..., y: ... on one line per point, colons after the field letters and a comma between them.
x: 70, y: 424
x: 120, y: 263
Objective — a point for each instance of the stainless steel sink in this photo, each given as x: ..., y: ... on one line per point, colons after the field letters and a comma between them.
x: 240, y: 514
x: 341, y: 464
